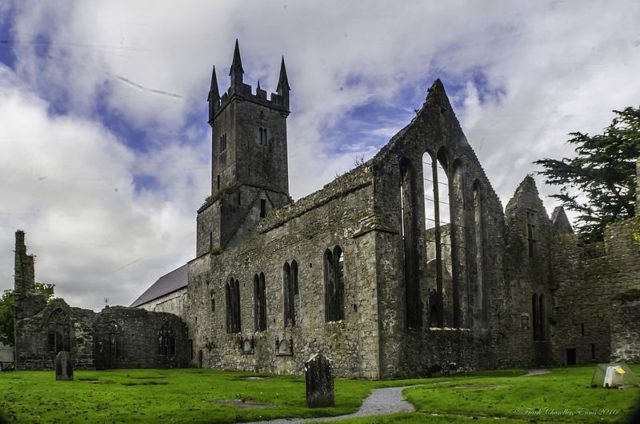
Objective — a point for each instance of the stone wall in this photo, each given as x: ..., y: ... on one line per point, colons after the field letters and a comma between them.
x: 581, y: 302
x: 414, y: 337
x: 623, y: 251
x: 133, y: 338
x: 34, y: 347
x: 529, y: 234
x: 117, y: 337
x: 301, y: 232
x: 594, y: 306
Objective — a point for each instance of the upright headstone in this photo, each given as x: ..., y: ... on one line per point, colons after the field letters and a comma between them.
x: 64, y: 366
x: 319, y: 380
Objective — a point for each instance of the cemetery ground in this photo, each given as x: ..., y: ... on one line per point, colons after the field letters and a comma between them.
x: 210, y: 396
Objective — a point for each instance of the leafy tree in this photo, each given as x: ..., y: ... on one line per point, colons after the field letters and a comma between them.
x: 46, y: 290
x: 7, y: 317
x: 600, y: 182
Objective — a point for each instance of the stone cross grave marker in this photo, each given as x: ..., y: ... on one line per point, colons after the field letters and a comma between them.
x: 318, y: 376
x: 64, y: 366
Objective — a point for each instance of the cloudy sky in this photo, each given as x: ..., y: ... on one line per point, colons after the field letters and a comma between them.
x: 105, y: 148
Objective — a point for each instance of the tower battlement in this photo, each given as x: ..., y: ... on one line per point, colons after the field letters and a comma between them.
x: 245, y: 92
x: 241, y: 91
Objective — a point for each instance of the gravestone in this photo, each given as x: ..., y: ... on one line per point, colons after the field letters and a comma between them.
x: 318, y: 376
x: 64, y: 366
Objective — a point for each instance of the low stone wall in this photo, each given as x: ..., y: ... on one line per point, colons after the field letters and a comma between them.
x: 133, y: 338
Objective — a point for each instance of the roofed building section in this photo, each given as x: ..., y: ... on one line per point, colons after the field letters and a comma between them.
x: 167, y: 294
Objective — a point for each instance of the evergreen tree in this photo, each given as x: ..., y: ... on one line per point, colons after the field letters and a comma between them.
x: 600, y: 182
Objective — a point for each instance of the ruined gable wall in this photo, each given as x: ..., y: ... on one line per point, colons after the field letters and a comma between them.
x: 529, y: 234
x: 405, y: 351
x: 32, y: 350
x: 337, y: 215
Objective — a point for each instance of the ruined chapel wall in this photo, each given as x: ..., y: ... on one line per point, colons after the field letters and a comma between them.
x: 334, y: 216
x: 581, y: 304
x: 416, y: 351
x: 595, y: 305
x: 529, y: 235
x: 32, y: 344
x: 622, y: 242
x: 130, y: 338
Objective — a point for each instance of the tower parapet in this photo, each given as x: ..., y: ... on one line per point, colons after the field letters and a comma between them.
x: 278, y: 100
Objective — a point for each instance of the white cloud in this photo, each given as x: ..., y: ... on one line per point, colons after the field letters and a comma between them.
x: 521, y: 75
x: 68, y: 183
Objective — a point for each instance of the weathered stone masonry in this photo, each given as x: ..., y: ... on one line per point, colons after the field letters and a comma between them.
x: 430, y: 274
x: 116, y: 337
x: 407, y: 265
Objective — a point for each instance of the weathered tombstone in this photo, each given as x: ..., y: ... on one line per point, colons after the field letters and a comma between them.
x: 319, y: 380
x: 64, y: 367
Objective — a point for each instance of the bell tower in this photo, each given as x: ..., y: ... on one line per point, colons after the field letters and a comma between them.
x: 249, y: 171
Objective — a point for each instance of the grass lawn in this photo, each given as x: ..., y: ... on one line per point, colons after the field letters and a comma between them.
x: 205, y: 396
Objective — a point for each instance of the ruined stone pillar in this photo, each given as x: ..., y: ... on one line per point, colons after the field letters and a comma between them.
x: 24, y: 270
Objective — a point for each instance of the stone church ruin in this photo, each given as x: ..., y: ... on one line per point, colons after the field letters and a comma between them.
x: 407, y: 265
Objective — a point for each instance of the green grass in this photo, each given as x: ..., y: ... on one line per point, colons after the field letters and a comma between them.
x: 194, y: 395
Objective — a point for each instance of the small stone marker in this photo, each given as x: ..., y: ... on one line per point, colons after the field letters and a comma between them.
x: 319, y: 380
x: 64, y: 367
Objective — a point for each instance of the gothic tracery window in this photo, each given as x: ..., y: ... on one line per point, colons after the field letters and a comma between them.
x: 58, y: 332
x: 114, y: 341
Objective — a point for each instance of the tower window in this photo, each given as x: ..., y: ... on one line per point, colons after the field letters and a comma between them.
x: 218, y: 182
x: 263, y: 208
x: 531, y: 232
x: 223, y: 142
x: 263, y: 136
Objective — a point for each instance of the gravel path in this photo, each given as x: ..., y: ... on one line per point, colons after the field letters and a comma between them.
x: 540, y: 371
x: 381, y: 401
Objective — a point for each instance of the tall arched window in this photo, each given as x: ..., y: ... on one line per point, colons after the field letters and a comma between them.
x: 294, y: 277
x: 439, y: 238
x: 481, y: 295
x: 114, y: 345
x: 334, y: 284
x: 232, y: 292
x: 541, y: 317
x: 535, y: 316
x: 409, y: 231
x: 259, y: 303
x: 458, y: 246
x: 288, y: 289
x: 58, y: 332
